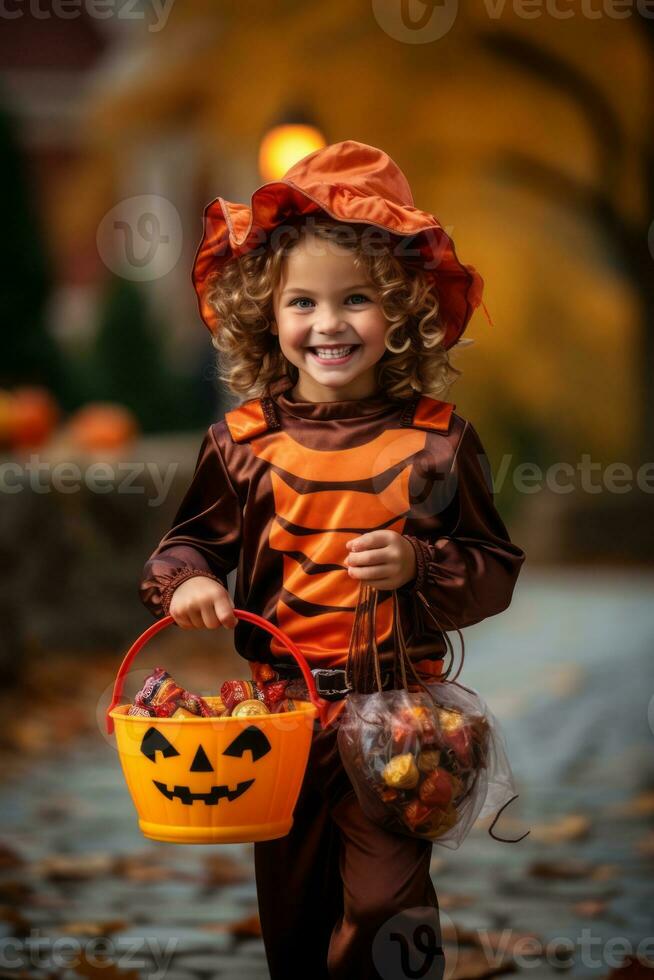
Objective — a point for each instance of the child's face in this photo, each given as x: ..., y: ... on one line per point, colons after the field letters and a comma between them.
x: 324, y: 300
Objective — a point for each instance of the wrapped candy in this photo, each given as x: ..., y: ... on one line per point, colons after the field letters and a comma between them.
x: 196, y: 705
x: 436, y: 789
x: 428, y: 760
x: 245, y: 709
x: 159, y: 690
x: 439, y: 822
x: 456, y: 735
x: 269, y: 693
x: 160, y: 697
x: 138, y: 711
x: 262, y: 673
x: 183, y: 713
x: 215, y: 702
x: 415, y: 813
x: 419, y: 716
x: 232, y: 692
x: 401, y: 772
x: 273, y: 691
x: 449, y: 721
x: 403, y: 730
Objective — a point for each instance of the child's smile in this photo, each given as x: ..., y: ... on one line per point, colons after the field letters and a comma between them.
x: 329, y: 321
x: 340, y: 354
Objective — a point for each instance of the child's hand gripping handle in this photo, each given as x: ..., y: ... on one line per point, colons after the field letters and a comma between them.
x: 318, y: 702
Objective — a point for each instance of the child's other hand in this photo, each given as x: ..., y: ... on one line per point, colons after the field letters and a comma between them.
x: 202, y: 603
x: 383, y: 559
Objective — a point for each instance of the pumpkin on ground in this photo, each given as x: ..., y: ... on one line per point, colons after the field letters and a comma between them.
x: 102, y: 425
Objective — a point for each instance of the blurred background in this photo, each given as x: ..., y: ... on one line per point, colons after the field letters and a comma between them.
x: 527, y: 128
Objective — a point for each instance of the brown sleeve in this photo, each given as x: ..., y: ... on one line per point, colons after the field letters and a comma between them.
x: 205, y: 537
x: 468, y: 572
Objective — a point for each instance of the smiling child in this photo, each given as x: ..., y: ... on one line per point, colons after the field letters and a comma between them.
x: 333, y: 302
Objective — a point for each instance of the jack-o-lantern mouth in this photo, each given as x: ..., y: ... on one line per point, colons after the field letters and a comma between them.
x: 216, y: 794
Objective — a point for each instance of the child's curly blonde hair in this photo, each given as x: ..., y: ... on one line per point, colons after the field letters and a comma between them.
x: 250, y: 358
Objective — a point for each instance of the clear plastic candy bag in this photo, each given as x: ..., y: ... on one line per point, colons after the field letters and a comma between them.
x: 425, y: 760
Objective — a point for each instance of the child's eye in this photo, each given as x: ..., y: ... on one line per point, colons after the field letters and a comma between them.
x: 306, y: 299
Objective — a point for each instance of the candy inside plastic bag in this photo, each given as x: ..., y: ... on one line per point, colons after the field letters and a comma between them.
x: 426, y: 763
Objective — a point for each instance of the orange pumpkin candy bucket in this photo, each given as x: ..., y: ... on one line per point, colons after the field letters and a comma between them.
x: 252, y: 767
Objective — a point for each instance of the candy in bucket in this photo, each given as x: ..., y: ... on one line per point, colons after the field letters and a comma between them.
x: 232, y: 775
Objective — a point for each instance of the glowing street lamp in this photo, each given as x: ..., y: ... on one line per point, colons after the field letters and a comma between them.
x: 285, y: 144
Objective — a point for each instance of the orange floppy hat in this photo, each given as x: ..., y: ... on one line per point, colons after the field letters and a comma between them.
x: 350, y: 182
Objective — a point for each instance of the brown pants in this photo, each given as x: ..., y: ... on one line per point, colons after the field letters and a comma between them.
x: 339, y: 897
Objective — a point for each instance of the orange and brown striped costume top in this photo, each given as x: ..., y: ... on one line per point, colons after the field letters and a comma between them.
x: 281, y: 485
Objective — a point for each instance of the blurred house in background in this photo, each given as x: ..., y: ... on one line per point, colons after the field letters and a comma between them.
x: 51, y: 71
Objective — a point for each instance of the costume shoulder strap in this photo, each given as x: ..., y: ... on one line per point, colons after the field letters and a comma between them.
x: 252, y: 418
x: 426, y: 412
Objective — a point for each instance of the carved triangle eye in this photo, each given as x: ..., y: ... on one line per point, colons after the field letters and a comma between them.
x: 201, y: 762
x: 251, y: 738
x: 153, y: 742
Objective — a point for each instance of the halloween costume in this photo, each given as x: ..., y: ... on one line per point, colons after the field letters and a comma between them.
x: 312, y: 475
x: 279, y: 486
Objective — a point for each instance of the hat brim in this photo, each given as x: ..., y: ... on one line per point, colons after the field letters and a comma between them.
x: 232, y: 230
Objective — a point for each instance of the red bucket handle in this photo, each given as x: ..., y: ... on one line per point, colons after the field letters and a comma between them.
x: 318, y: 702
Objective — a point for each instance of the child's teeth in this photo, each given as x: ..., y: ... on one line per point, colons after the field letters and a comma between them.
x: 339, y: 352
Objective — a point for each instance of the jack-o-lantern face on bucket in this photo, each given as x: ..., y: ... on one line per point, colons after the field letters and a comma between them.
x: 155, y: 747
x: 179, y: 770
x: 256, y: 764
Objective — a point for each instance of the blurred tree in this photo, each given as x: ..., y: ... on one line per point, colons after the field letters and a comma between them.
x: 30, y: 354
x: 126, y: 363
x: 628, y: 233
